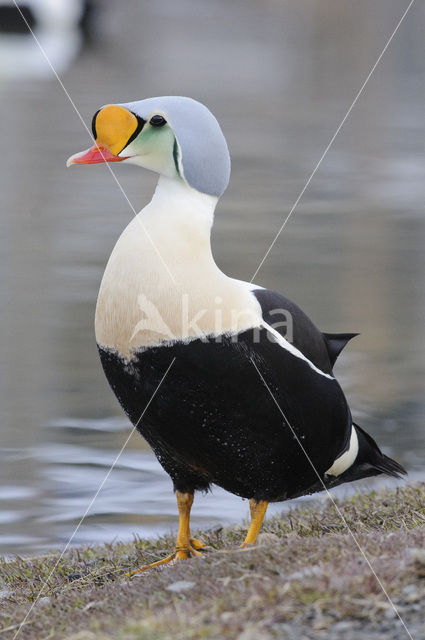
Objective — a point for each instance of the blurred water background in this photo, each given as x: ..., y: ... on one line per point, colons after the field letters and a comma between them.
x: 279, y: 76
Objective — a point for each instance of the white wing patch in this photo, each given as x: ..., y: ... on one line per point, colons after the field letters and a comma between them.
x: 345, y: 461
x: 294, y: 351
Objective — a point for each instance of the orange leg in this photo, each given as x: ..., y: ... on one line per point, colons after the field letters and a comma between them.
x: 258, y: 511
x: 186, y: 547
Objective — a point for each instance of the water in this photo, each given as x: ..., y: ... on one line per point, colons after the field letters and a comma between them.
x: 280, y: 77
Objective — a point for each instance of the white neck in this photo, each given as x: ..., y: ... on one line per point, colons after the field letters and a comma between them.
x: 176, y: 192
x: 175, y: 229
x: 162, y: 262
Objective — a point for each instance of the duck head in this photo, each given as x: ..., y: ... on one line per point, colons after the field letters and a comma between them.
x: 174, y: 136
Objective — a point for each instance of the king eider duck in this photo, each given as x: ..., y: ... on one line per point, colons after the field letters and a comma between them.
x: 205, y: 365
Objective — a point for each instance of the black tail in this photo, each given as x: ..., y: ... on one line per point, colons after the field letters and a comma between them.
x: 370, y: 461
x: 370, y: 458
x: 390, y: 467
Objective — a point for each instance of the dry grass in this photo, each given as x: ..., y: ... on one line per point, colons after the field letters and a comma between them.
x: 306, y: 571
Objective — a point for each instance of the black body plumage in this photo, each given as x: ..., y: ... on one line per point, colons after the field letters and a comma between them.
x: 213, y: 420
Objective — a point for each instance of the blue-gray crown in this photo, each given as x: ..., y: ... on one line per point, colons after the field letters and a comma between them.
x: 205, y: 158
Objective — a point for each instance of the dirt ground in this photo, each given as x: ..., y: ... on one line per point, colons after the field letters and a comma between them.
x: 308, y: 578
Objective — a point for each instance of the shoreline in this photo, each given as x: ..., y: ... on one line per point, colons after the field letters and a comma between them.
x: 305, y: 578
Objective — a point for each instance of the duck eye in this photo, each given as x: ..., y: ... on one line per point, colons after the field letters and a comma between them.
x: 158, y: 121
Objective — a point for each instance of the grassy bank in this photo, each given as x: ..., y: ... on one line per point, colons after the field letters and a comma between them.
x: 306, y: 578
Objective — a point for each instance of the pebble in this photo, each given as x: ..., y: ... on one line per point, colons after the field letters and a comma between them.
x: 267, y: 538
x: 344, y: 625
x: 321, y: 623
x: 73, y: 576
x: 417, y: 555
x: 412, y: 593
x: 306, y: 572
x: 218, y: 528
x: 94, y: 604
x: 226, y: 616
x: 418, y: 558
x: 42, y: 602
x: 180, y: 585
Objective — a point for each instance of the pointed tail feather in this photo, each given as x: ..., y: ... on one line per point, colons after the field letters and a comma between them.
x: 370, y: 454
x: 390, y: 467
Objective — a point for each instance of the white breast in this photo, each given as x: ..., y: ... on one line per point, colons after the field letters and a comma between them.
x: 144, y: 302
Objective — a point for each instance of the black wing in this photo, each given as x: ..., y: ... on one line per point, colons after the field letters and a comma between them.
x: 293, y: 324
x: 306, y: 337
